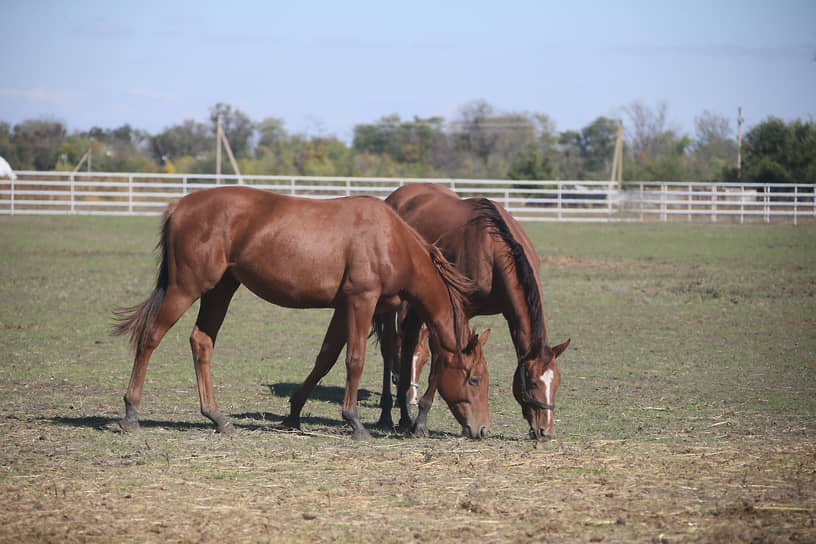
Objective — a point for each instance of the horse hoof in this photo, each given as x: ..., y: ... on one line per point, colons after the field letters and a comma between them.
x: 291, y: 422
x: 405, y: 425
x: 386, y: 425
x: 225, y: 428
x: 128, y: 426
x: 419, y: 431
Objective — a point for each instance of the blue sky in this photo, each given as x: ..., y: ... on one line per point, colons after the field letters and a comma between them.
x: 325, y: 66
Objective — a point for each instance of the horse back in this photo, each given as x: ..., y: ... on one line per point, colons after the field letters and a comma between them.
x: 452, y: 223
x: 291, y: 251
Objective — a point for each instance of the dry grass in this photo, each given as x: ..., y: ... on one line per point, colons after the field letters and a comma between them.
x: 269, y: 485
x: 686, y: 413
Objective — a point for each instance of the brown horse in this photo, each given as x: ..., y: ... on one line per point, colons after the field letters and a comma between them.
x: 487, y: 245
x: 351, y: 254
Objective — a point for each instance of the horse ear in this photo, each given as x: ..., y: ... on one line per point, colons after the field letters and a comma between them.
x: 559, y: 349
x: 483, y: 337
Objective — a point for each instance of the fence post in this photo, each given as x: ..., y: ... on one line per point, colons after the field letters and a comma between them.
x: 640, y: 200
x: 742, y: 204
x: 348, y: 187
x: 795, y: 202
x: 664, y: 195
x: 558, y: 193
x: 714, y: 203
x: 507, y: 198
x: 609, y: 202
x: 130, y: 194
x: 73, y: 210
x: 12, y: 196
x: 767, y: 202
x: 292, y: 181
x: 688, y: 196
x: 184, y: 185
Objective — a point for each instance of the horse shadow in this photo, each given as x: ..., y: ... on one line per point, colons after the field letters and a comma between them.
x: 250, y: 421
x: 325, y: 393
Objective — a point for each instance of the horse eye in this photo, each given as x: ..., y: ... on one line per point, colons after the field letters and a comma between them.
x: 474, y: 380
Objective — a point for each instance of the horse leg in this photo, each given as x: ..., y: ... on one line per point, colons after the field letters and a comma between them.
x: 389, y: 350
x: 172, y: 307
x: 420, y: 426
x: 410, y: 333
x: 333, y: 344
x: 360, y: 312
x: 214, y: 304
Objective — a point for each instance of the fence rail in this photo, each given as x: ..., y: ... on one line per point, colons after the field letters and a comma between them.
x: 148, y: 194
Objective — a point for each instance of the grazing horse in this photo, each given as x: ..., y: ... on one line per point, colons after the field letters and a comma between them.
x: 488, y: 246
x: 352, y: 254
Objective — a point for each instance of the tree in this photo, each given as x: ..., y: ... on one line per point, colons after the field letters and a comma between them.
x: 474, y: 132
x: 238, y: 128
x: 531, y: 164
x: 587, y: 155
x: 776, y: 151
x: 187, y: 139
x: 714, y: 149
x: 36, y: 142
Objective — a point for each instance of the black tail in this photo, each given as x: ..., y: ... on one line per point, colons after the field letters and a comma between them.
x: 138, y: 320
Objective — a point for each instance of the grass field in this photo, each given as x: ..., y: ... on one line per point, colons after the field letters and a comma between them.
x: 687, y: 410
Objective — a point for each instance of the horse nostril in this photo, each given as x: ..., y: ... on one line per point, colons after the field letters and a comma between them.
x: 483, y: 431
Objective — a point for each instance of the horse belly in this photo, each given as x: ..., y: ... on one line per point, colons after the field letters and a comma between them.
x: 292, y: 283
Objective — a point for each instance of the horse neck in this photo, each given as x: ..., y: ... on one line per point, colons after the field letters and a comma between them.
x: 437, y: 304
x: 519, y: 313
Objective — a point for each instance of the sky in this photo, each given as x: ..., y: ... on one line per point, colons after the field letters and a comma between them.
x: 324, y: 67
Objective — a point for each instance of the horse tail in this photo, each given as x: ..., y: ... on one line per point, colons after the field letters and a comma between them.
x: 377, y: 328
x: 138, y: 320
x: 525, y: 275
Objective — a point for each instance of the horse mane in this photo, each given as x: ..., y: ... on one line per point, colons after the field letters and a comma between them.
x: 489, y: 215
x: 460, y: 288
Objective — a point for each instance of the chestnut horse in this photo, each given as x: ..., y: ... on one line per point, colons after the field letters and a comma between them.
x: 352, y: 254
x: 488, y: 246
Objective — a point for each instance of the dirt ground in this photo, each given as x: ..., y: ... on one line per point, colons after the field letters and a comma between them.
x: 686, y: 411
x: 79, y: 480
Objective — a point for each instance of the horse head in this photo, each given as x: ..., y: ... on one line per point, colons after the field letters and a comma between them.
x: 534, y: 385
x: 463, y: 384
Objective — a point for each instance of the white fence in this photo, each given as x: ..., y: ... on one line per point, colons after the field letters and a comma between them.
x: 147, y: 194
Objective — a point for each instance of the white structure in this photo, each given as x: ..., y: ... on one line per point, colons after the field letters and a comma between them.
x: 5, y: 170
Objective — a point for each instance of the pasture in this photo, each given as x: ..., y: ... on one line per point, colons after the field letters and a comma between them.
x: 687, y: 410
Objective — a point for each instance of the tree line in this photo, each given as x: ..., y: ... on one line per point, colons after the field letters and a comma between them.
x: 480, y: 142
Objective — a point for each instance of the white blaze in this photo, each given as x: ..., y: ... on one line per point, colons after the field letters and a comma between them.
x: 547, y: 379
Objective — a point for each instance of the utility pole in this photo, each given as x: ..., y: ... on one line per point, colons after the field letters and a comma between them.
x: 218, y: 132
x: 739, y: 143
x: 617, y: 158
x: 220, y: 139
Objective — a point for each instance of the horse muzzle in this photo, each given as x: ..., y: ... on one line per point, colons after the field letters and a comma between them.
x: 541, y: 433
x: 479, y: 434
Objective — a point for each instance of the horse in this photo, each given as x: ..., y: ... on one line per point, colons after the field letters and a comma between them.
x: 352, y: 254
x: 488, y: 246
